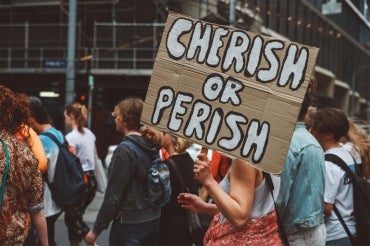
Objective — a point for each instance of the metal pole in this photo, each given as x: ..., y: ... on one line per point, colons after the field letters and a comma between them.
x: 232, y: 13
x: 26, y: 45
x: 91, y: 88
x: 356, y: 70
x: 353, y: 100
x: 70, y: 73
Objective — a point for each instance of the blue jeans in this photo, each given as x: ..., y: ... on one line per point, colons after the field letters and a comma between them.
x: 134, y: 234
x: 339, y: 242
x: 315, y: 236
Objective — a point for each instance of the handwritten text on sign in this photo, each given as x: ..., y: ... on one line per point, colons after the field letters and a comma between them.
x: 225, y: 88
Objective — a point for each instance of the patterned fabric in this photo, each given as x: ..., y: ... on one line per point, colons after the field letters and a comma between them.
x: 77, y: 228
x: 23, y: 192
x: 259, y: 231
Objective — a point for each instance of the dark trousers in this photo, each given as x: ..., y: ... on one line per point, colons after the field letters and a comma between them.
x: 77, y: 228
x: 50, y: 222
x: 134, y: 234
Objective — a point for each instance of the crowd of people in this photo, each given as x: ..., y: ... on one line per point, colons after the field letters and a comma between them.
x: 238, y: 198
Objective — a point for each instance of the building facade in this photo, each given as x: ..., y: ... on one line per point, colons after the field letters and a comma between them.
x: 116, y: 44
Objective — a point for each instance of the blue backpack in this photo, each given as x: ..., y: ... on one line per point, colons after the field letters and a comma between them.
x: 159, y: 185
x: 68, y: 187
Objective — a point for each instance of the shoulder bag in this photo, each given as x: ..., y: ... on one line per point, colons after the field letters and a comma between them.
x: 197, y: 224
x: 5, y: 176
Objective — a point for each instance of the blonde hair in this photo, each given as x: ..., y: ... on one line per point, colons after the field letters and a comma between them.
x: 79, y: 113
x: 361, y: 141
x: 308, y: 119
x: 180, y: 144
x: 152, y: 135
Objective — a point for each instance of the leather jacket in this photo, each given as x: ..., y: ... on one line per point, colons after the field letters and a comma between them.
x: 126, y: 194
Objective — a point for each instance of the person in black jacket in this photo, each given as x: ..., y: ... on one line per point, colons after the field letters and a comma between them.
x: 135, y: 221
x: 174, y: 226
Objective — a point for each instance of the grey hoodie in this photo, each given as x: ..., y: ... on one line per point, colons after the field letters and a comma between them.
x: 126, y: 196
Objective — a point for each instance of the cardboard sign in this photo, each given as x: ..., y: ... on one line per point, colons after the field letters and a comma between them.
x: 228, y: 89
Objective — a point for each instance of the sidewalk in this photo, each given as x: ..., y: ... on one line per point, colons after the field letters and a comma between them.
x: 61, y: 234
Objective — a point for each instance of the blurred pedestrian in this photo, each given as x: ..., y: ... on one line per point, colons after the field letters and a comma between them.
x: 329, y: 125
x: 301, y: 197
x: 244, y: 212
x: 135, y: 221
x: 42, y: 123
x: 174, y: 226
x: 82, y: 143
x: 357, y: 143
x: 21, y: 188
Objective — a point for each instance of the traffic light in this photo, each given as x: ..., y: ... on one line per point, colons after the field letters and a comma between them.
x: 82, y: 98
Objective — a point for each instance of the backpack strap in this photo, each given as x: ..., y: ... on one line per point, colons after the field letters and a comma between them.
x: 5, y: 176
x: 270, y: 185
x: 52, y: 137
x: 339, y: 162
x: 59, y: 144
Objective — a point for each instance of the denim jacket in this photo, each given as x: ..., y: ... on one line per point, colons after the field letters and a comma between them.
x: 301, y: 197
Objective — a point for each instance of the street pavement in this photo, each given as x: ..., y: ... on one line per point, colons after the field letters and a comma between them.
x: 61, y: 234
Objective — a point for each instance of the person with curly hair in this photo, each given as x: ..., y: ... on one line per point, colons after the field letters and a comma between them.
x: 22, y: 197
x: 135, y: 221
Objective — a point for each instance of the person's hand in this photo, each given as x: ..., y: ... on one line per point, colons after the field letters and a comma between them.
x: 90, y: 238
x: 202, y: 169
x: 191, y: 202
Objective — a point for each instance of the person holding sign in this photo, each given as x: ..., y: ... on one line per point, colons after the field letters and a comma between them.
x: 244, y: 212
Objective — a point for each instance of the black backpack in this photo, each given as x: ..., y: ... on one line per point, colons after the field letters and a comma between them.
x: 361, y: 202
x: 68, y: 187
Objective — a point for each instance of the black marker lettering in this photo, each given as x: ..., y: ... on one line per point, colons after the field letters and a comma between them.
x: 256, y: 139
x: 214, y: 126
x: 178, y: 109
x: 213, y: 58
x: 233, y: 121
x: 230, y: 93
x: 164, y: 100
x: 175, y: 48
x: 294, y: 69
x: 199, y: 41
x: 268, y: 75
x: 198, y: 116
x: 212, y: 87
x: 235, y: 50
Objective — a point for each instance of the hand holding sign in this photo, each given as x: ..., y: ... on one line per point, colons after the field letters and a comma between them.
x: 202, y: 169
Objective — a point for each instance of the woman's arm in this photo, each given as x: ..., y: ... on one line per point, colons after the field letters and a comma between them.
x: 38, y: 219
x: 237, y: 205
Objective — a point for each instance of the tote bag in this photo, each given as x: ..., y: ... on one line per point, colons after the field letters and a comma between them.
x: 100, y: 175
